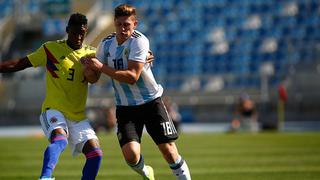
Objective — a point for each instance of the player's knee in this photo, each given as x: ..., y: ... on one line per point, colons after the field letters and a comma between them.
x: 132, y: 159
x: 131, y: 152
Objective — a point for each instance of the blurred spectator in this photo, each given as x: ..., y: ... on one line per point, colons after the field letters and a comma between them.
x: 173, y: 111
x: 245, y: 115
x: 1, y: 90
x: 103, y: 119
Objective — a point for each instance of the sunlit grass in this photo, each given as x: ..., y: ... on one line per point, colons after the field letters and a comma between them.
x: 262, y: 156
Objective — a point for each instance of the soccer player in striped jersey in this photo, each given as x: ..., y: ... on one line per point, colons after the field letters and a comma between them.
x: 122, y: 56
x: 63, y: 116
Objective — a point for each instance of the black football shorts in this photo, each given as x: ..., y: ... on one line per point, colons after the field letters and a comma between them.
x: 153, y: 115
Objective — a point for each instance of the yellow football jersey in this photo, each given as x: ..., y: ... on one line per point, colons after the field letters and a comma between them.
x: 66, y: 89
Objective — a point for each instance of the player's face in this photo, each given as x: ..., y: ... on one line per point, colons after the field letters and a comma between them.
x: 76, y: 35
x: 125, y: 26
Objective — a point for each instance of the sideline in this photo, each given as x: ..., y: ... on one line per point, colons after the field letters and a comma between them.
x: 18, y: 131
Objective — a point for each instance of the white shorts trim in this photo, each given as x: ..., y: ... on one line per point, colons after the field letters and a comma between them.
x: 79, y: 132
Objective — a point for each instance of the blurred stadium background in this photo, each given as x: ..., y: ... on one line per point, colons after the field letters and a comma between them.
x: 208, y: 52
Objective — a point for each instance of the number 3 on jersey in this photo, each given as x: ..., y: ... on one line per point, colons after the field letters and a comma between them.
x: 168, y: 128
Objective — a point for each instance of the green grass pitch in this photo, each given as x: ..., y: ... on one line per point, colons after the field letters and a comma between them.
x: 262, y: 156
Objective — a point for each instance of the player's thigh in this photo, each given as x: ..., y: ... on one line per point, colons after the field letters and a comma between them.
x: 130, y: 125
x: 79, y: 134
x: 158, y: 123
x: 52, y: 121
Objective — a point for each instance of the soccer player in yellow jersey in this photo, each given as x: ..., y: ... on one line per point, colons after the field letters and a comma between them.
x: 63, y: 116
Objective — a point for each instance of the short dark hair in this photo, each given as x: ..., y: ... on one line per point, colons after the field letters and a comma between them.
x: 124, y: 10
x: 77, y: 19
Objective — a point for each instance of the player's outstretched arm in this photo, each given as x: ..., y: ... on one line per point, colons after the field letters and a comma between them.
x: 15, y: 65
x: 130, y: 75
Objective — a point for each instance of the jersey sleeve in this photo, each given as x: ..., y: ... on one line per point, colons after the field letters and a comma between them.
x: 139, y: 49
x: 38, y: 57
x: 100, y: 53
x: 91, y: 51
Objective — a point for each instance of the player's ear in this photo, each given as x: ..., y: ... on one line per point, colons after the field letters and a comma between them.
x: 135, y: 23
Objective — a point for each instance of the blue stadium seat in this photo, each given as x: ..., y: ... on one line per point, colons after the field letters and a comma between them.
x: 186, y: 49
x: 6, y: 8
x: 54, y: 27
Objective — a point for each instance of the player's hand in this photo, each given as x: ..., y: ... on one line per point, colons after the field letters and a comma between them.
x: 150, y: 57
x: 87, y: 71
x: 92, y: 62
x: 90, y: 75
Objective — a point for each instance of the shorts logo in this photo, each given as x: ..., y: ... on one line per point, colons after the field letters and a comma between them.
x: 53, y: 120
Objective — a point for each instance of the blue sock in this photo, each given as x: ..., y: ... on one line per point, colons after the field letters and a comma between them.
x: 52, y: 153
x: 92, y: 166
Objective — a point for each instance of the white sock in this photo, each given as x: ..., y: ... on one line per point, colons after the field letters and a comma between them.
x: 180, y: 169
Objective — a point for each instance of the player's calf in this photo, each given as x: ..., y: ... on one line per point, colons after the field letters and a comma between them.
x: 51, y: 155
x: 92, y: 166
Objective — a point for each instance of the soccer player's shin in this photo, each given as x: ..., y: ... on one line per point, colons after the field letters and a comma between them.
x: 180, y: 169
x: 52, y: 153
x: 92, y: 166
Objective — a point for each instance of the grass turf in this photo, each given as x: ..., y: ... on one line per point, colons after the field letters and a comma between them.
x: 262, y: 156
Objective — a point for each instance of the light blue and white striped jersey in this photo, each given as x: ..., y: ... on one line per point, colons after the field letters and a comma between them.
x: 136, y: 49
